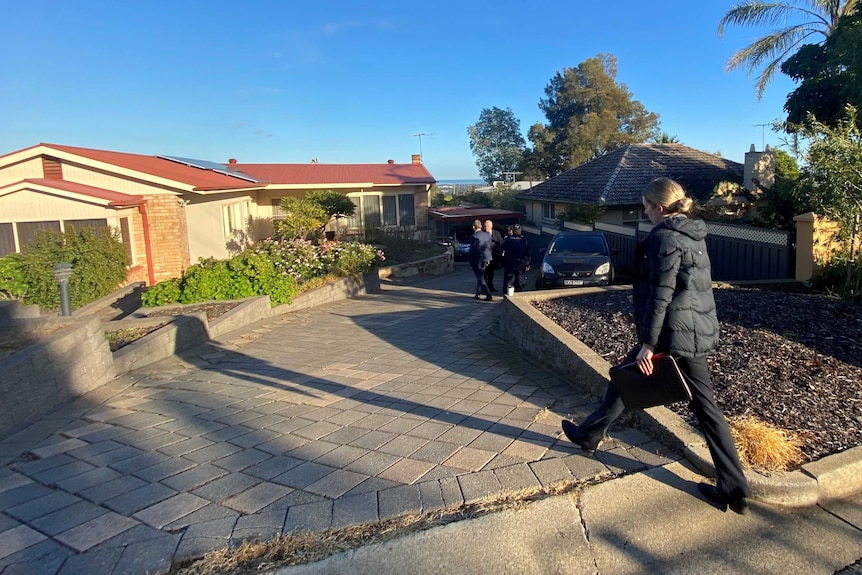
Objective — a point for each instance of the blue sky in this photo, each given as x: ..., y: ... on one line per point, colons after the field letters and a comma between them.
x: 351, y: 82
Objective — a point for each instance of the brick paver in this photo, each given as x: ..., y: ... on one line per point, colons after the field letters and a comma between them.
x: 386, y: 405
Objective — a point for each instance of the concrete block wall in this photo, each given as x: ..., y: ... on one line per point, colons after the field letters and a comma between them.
x: 70, y: 358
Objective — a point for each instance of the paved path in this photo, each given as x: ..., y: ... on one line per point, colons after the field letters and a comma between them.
x: 364, y: 409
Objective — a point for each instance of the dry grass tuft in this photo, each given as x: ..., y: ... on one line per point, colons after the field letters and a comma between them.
x: 764, y: 446
x: 308, y: 547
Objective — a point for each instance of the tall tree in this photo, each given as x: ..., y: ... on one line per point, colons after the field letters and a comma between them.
x: 834, y: 174
x: 800, y: 20
x: 829, y: 75
x: 588, y: 114
x: 497, y: 143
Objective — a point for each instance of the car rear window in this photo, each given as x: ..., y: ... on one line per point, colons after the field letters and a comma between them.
x: 585, y: 245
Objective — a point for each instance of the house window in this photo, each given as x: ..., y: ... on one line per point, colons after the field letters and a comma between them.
x: 549, y: 211
x: 126, y: 234
x: 234, y: 217
x: 27, y: 231
x: 374, y: 210
x: 390, y: 211
x: 7, y: 240
x: 97, y: 225
x: 371, y: 211
x: 406, y: 211
x: 277, y: 210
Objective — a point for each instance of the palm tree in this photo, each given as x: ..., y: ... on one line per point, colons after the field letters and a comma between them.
x: 665, y: 138
x: 809, y: 17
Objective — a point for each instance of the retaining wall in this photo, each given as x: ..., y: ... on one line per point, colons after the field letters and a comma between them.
x: 70, y: 357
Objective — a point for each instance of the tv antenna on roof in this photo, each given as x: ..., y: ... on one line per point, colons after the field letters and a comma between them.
x: 419, y: 135
x: 763, y: 129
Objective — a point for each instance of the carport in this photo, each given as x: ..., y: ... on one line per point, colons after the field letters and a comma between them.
x: 445, y: 219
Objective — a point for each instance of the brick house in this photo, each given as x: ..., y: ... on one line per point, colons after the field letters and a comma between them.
x: 171, y: 211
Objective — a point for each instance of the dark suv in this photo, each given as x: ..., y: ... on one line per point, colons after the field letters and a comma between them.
x: 574, y: 259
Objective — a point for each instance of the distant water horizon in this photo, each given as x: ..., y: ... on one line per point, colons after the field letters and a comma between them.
x: 476, y: 182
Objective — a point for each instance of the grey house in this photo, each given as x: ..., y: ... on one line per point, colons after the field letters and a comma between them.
x: 616, y: 180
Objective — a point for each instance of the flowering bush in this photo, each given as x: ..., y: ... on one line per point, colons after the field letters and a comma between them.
x: 279, y: 269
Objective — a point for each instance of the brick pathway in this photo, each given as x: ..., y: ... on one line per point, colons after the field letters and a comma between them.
x: 351, y: 412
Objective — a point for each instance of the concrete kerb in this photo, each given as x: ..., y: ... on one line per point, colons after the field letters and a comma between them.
x: 832, y: 477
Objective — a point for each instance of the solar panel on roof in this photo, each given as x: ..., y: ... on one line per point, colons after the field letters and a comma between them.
x: 211, y: 166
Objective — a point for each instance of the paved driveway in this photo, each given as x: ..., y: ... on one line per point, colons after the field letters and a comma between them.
x: 397, y: 402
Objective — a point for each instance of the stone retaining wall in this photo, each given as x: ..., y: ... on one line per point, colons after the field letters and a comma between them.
x: 70, y: 358
x: 437, y: 265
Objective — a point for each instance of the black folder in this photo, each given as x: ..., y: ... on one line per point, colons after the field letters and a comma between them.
x: 638, y: 391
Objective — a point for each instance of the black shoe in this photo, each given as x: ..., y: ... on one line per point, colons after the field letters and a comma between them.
x: 580, y: 438
x: 488, y: 297
x: 737, y: 504
x: 476, y: 296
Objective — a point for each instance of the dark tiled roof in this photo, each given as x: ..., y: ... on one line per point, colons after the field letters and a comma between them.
x: 619, y: 177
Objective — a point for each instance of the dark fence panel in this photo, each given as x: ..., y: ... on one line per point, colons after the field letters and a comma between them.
x: 745, y: 253
x: 737, y: 253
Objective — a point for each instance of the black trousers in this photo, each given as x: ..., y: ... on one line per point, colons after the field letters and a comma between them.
x: 481, y: 285
x: 713, y: 425
x: 489, y: 273
x: 514, y: 277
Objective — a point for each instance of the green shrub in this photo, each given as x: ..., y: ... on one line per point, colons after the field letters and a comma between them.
x: 13, y: 284
x: 98, y: 260
x: 833, y: 278
x: 162, y: 293
x: 280, y: 269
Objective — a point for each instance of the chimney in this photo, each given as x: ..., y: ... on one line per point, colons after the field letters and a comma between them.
x: 758, y: 166
x: 417, y: 158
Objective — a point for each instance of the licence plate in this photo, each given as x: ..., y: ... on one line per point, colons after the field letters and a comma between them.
x: 573, y: 282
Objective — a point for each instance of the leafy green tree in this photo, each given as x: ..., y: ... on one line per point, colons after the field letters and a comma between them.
x: 800, y: 20
x: 335, y: 204
x: 588, y: 114
x: 834, y: 174
x: 302, y: 219
x: 504, y: 197
x: 497, y: 143
x: 829, y: 75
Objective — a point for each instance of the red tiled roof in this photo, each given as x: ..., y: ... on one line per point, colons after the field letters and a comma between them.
x: 160, y: 167
x: 287, y: 174
x: 298, y: 174
x: 115, y: 199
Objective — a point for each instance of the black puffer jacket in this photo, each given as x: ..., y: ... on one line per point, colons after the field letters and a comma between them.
x: 673, y: 301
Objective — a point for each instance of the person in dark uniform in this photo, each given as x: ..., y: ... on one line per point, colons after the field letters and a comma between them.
x: 480, y: 256
x: 674, y: 311
x: 516, y: 260
x: 496, y: 254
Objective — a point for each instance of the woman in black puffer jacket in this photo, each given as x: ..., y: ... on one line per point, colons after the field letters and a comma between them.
x: 674, y: 312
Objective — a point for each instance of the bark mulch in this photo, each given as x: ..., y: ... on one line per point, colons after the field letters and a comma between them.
x: 791, y: 359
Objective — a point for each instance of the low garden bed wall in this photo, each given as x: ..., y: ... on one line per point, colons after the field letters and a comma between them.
x: 60, y: 359
x: 526, y: 327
